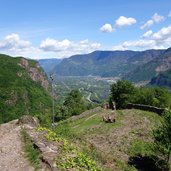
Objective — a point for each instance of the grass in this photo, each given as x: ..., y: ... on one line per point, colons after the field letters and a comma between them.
x: 69, y: 156
x: 31, y: 153
x: 92, y: 123
x: 111, y: 145
x: 123, y: 166
x: 140, y: 147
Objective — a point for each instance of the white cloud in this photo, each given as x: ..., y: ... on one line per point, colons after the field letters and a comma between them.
x: 147, y: 24
x: 156, y: 18
x: 54, y: 45
x: 106, y: 28
x: 140, y: 43
x: 169, y: 15
x: 157, y: 40
x: 147, y: 34
x: 162, y: 34
x: 124, y: 21
x: 49, y: 48
x: 13, y: 42
x: 66, y: 48
x: 119, y: 47
x: 15, y: 46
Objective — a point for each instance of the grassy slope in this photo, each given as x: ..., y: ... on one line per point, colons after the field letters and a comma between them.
x: 19, y: 94
x: 111, y: 145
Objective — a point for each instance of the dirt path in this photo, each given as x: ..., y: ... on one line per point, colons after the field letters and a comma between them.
x: 85, y: 120
x: 90, y: 117
x: 11, y: 155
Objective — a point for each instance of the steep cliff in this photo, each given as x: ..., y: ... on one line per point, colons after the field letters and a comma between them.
x: 23, y: 88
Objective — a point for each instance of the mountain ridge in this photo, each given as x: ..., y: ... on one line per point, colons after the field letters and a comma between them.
x: 152, y: 68
x: 48, y: 64
x: 105, y: 63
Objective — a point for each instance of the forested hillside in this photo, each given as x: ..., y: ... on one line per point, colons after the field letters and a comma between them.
x: 23, y: 88
x: 151, y: 69
x: 105, y: 63
x: 162, y: 80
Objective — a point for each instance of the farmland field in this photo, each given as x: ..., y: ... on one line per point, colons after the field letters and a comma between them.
x: 94, y: 89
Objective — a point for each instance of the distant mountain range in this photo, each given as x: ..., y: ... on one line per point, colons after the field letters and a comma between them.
x: 121, y: 64
x: 136, y: 66
x: 49, y: 64
x: 98, y: 63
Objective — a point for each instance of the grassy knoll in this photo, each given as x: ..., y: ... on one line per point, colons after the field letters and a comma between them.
x: 112, y: 145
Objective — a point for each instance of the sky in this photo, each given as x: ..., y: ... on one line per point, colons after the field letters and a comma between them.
x: 40, y: 29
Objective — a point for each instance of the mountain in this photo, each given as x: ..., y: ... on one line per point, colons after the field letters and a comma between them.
x: 23, y: 88
x: 105, y: 63
x: 49, y: 64
x: 163, y: 79
x: 152, y: 68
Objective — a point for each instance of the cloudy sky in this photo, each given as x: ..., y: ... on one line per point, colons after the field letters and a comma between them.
x: 61, y: 28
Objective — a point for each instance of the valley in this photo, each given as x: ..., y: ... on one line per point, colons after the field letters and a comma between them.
x: 94, y: 88
x: 136, y: 66
x: 85, y: 85
x: 81, y: 138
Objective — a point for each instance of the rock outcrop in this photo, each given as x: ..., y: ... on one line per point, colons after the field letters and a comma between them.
x: 35, y: 73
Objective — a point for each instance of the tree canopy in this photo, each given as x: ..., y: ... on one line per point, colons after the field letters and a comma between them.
x: 124, y: 92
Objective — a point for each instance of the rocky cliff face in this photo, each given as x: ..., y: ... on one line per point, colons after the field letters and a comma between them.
x: 35, y: 73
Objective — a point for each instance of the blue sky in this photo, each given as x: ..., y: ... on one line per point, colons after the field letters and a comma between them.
x: 61, y: 28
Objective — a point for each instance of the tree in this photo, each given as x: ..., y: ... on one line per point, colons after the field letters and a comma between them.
x: 156, y: 96
x: 162, y: 96
x: 122, y: 93
x: 162, y: 138
x: 75, y: 103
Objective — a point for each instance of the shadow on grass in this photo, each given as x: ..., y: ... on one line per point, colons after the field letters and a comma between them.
x: 146, y: 163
